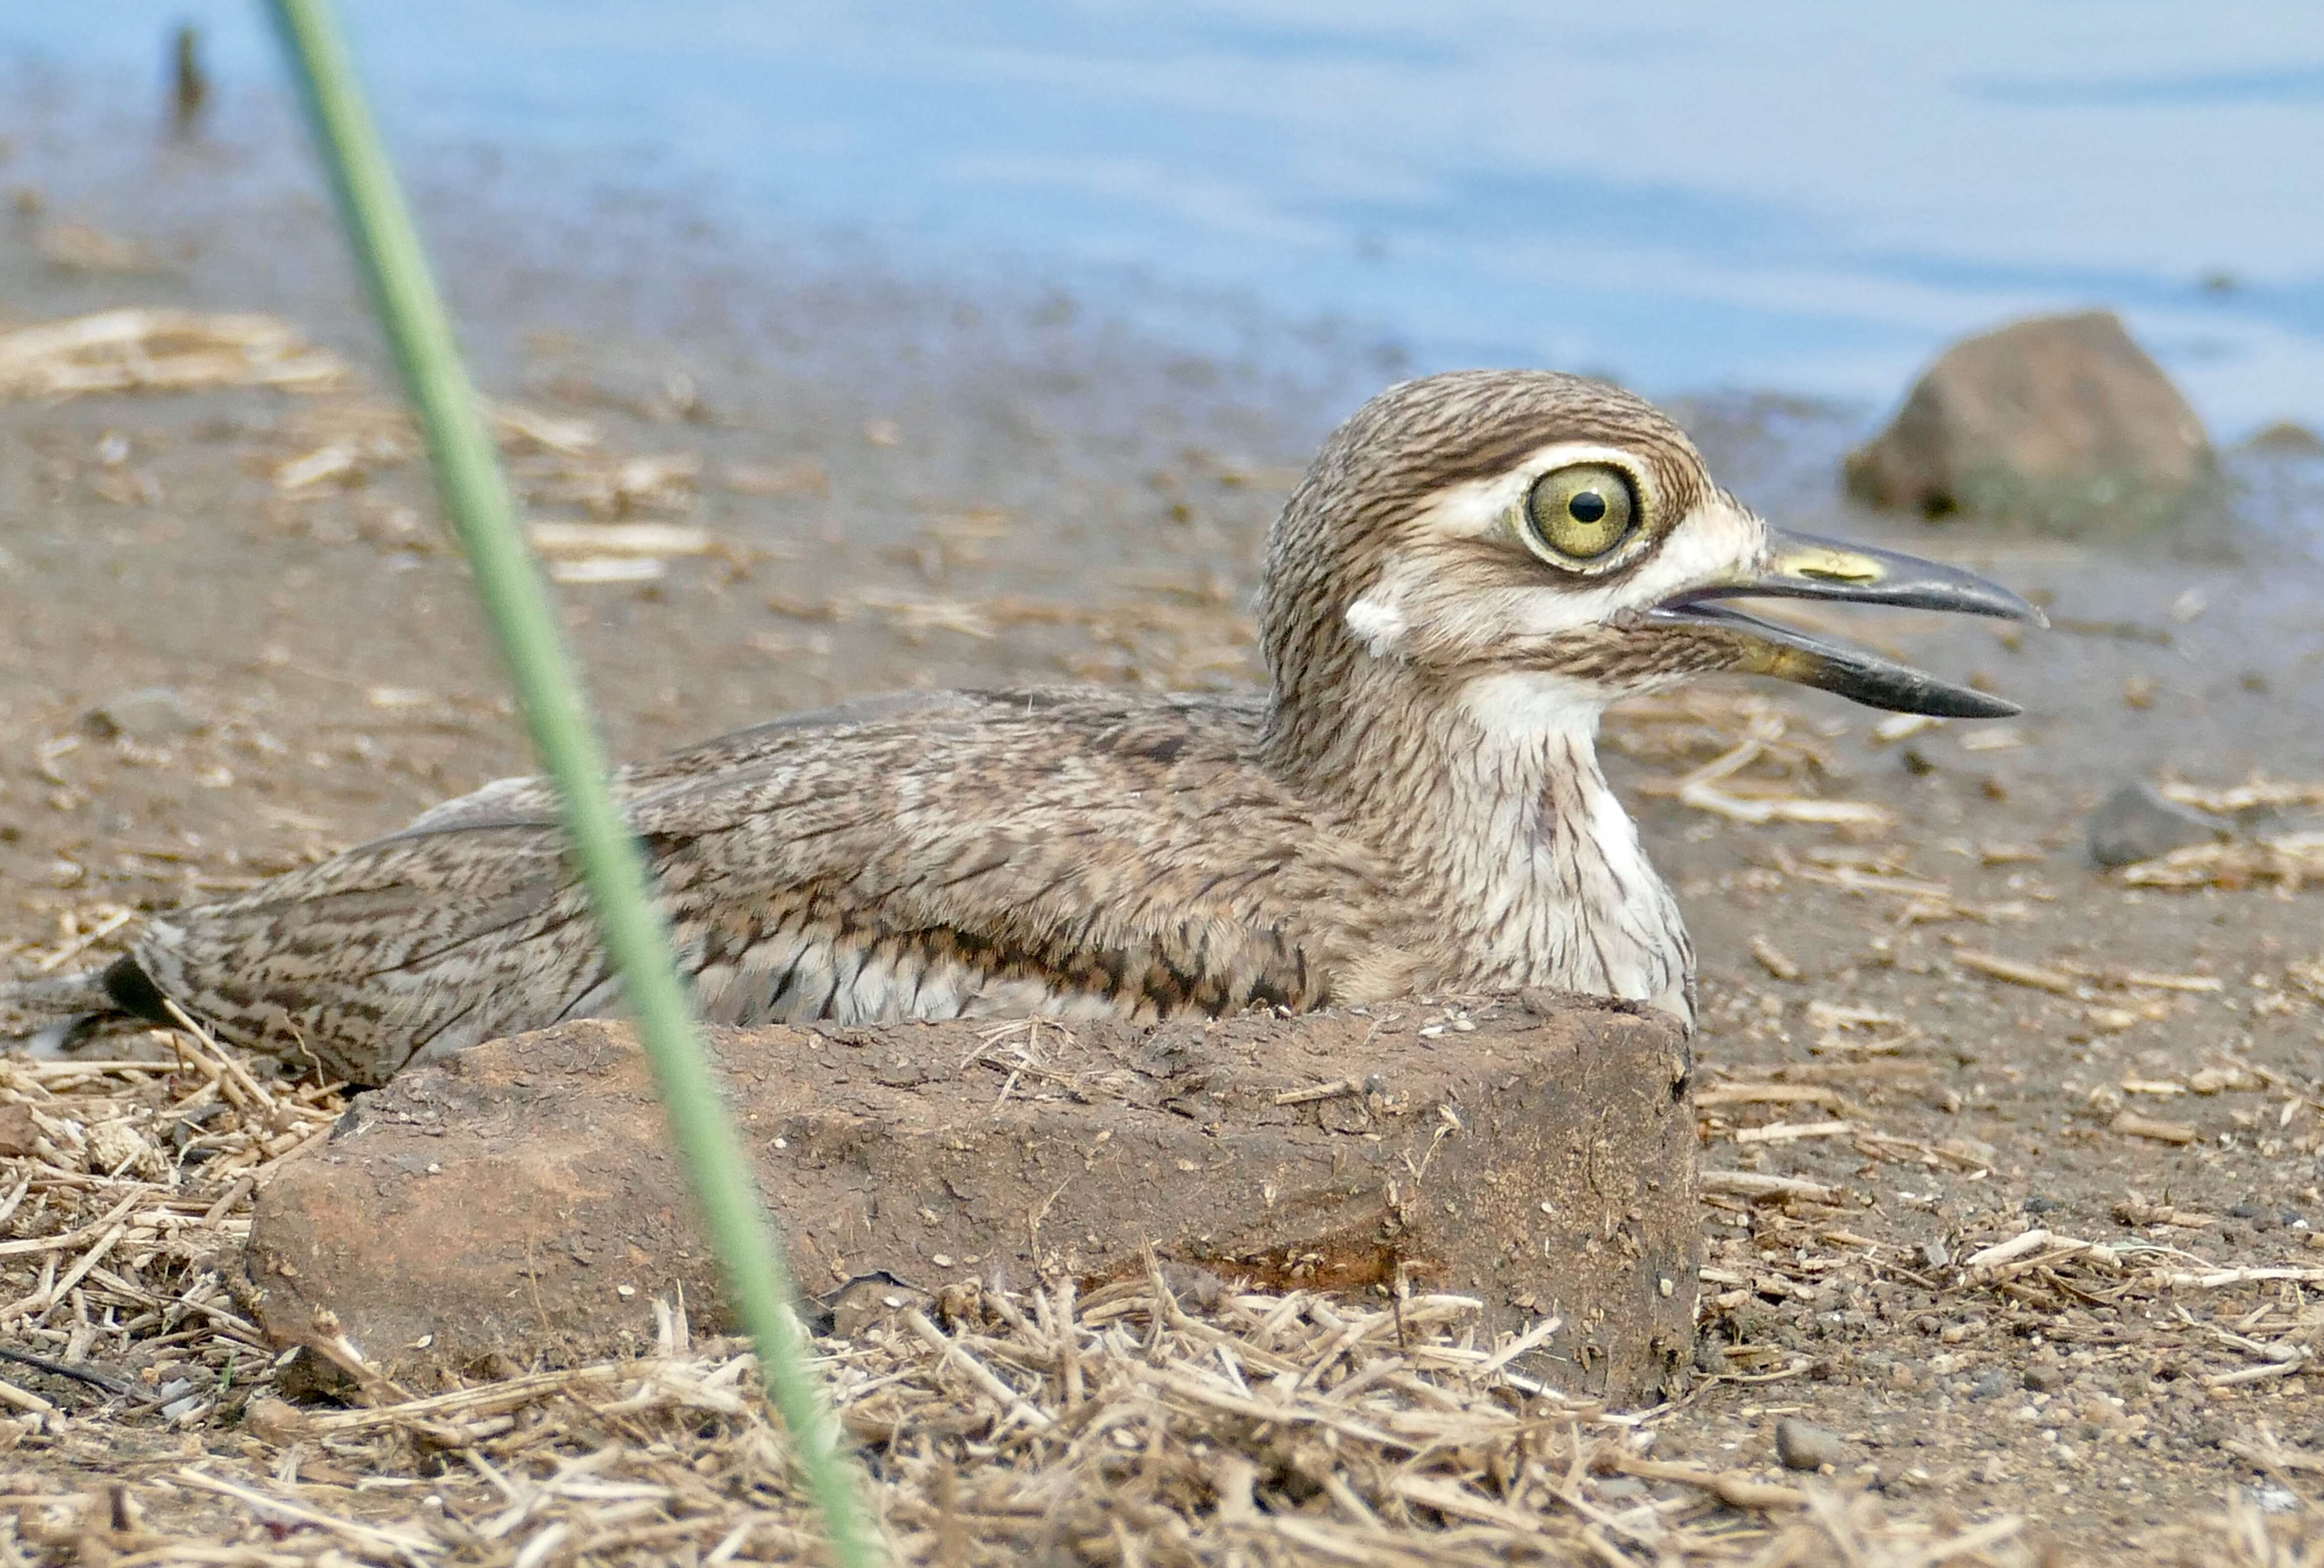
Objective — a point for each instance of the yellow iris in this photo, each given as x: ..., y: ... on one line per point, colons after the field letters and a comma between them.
x: 1581, y: 512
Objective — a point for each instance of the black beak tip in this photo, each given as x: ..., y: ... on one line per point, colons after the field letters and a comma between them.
x: 1976, y: 596
x: 1965, y: 703
x: 2028, y: 613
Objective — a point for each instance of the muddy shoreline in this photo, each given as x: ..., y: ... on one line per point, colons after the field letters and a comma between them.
x: 904, y: 483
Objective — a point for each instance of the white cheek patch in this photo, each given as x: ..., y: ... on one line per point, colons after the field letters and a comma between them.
x: 1381, y: 616
x: 1378, y: 620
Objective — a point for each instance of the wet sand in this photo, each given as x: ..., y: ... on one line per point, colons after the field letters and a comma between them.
x: 911, y: 483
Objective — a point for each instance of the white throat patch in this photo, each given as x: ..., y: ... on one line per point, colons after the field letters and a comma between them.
x: 1517, y: 706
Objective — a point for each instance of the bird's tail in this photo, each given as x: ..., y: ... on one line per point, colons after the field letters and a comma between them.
x: 60, y: 996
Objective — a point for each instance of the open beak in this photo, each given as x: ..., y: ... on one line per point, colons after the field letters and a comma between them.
x: 1804, y: 567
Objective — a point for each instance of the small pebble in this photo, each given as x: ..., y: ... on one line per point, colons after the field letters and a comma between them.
x: 1803, y: 1445
x: 155, y: 714
x: 2044, y: 1379
x: 1989, y: 1385
x: 2137, y: 822
x: 275, y: 1421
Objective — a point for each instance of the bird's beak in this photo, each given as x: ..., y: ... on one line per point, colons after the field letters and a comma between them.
x: 1803, y: 566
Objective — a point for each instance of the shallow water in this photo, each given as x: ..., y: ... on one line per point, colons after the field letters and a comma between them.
x: 1810, y: 198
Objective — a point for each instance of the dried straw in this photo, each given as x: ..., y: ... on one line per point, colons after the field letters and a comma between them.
x: 141, y: 348
x: 1165, y: 1419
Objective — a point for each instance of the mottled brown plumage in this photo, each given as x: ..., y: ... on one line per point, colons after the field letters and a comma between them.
x: 1415, y: 804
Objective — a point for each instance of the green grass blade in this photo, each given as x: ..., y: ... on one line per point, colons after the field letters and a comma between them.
x: 475, y: 492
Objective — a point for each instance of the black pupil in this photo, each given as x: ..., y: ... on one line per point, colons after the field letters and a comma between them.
x: 1588, y: 506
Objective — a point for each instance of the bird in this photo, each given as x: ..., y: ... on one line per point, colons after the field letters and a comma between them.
x: 1475, y: 566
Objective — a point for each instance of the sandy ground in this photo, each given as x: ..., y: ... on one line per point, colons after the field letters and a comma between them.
x: 905, y: 485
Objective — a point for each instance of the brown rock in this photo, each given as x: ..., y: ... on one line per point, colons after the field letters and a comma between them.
x: 2286, y: 440
x: 1802, y: 1445
x: 2058, y: 420
x: 520, y: 1200
x: 276, y: 1421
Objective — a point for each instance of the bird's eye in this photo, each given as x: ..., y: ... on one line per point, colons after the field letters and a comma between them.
x: 1581, y: 512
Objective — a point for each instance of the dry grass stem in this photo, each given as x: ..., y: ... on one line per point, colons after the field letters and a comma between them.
x: 160, y: 350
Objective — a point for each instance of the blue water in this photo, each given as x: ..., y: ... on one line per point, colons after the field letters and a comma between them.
x: 1803, y: 195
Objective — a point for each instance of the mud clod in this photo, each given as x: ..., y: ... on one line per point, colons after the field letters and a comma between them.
x: 499, y: 1203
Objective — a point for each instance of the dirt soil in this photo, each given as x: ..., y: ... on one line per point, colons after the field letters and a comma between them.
x: 1936, y: 1014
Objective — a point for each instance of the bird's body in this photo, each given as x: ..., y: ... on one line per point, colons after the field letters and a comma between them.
x: 994, y: 853
x: 1416, y: 803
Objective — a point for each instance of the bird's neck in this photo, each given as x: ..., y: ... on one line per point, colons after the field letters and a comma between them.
x: 1488, y: 793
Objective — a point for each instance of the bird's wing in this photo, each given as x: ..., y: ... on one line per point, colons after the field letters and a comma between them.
x: 1129, y: 852
x: 902, y: 864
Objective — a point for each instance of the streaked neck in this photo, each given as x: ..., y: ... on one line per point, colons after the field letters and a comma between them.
x: 1489, y: 792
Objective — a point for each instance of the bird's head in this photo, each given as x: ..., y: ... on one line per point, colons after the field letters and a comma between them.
x: 1534, y: 546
